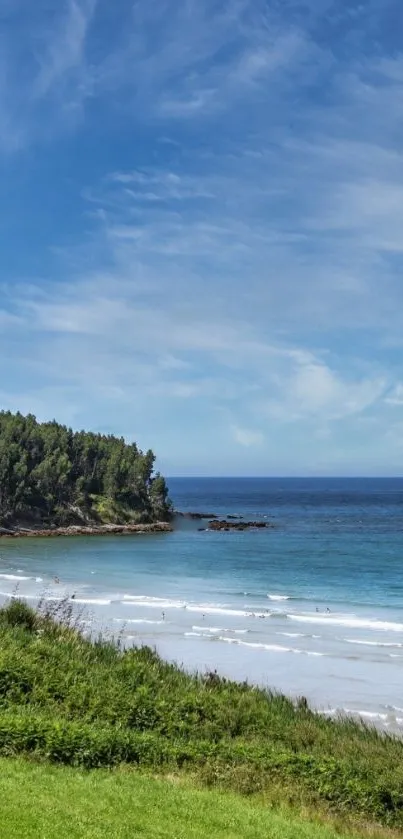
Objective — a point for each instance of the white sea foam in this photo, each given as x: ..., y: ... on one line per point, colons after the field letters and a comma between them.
x: 92, y: 601
x: 275, y: 648
x: 367, y: 715
x: 152, y: 602
x: 139, y: 620
x: 365, y: 643
x: 350, y: 621
x: 8, y: 594
x: 215, y: 629
x: 217, y: 610
x: 199, y: 608
x: 14, y: 577
x: 256, y: 645
x: 278, y: 597
x: 293, y: 634
x: 364, y: 714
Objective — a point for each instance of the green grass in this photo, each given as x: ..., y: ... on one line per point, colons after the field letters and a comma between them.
x: 45, y: 802
x: 69, y: 700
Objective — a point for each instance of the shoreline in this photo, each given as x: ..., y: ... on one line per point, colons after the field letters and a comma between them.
x: 87, y: 530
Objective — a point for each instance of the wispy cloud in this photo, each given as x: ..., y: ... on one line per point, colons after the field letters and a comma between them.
x: 220, y: 247
x: 63, y: 47
x: 44, y: 77
x: 246, y: 436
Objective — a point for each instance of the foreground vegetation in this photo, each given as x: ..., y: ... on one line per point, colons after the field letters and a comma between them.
x: 49, y: 474
x: 52, y: 802
x: 69, y: 700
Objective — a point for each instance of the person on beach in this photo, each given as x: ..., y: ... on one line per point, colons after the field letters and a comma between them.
x: 163, y: 615
x: 56, y: 580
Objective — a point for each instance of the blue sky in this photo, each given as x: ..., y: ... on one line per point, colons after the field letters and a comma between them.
x: 202, y: 228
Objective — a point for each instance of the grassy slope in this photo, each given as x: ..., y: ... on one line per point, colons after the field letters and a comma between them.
x: 53, y: 802
x: 71, y: 701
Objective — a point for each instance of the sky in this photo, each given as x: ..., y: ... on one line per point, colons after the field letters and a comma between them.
x: 201, y: 228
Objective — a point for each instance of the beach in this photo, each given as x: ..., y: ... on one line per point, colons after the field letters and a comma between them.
x: 312, y: 606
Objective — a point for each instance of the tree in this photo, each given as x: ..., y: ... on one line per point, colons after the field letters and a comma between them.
x: 47, y: 471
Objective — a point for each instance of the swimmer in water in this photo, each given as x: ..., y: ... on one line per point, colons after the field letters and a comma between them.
x: 56, y: 580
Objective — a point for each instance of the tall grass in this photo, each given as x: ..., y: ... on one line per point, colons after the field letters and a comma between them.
x: 90, y: 702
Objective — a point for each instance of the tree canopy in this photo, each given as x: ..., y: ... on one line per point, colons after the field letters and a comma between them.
x: 50, y: 473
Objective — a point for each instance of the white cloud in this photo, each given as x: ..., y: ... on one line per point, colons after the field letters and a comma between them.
x: 395, y: 396
x: 246, y: 436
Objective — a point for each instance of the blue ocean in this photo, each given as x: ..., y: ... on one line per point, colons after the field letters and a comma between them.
x: 312, y: 606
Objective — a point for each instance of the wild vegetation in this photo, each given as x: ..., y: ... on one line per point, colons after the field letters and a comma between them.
x: 92, y: 703
x: 50, y: 474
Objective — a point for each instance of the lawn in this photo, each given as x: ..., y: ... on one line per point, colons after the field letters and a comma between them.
x: 48, y: 802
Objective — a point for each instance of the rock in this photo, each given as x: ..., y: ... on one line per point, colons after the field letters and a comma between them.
x: 196, y: 516
x: 93, y: 530
x: 224, y: 524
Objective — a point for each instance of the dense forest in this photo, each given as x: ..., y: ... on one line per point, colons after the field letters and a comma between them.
x: 50, y: 474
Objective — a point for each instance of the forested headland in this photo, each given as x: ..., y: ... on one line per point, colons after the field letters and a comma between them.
x: 51, y: 475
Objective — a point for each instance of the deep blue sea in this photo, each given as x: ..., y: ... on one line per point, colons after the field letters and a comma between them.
x: 312, y: 607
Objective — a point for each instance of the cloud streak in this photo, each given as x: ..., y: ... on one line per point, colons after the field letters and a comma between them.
x: 216, y: 242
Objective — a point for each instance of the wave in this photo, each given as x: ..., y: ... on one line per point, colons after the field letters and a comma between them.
x: 202, y: 608
x: 295, y: 635
x: 14, y: 577
x: 89, y: 601
x: 364, y: 714
x: 365, y: 643
x: 277, y: 648
x: 278, y: 596
x: 214, y: 629
x: 372, y: 716
x: 138, y: 620
x: 350, y: 621
x: 7, y: 595
x: 197, y: 635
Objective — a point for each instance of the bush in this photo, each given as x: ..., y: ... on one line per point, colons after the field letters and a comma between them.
x: 18, y: 613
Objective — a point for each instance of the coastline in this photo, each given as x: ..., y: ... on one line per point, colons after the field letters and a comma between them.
x: 302, y: 606
x: 87, y: 530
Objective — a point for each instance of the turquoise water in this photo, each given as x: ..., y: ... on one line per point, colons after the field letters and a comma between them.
x: 313, y: 606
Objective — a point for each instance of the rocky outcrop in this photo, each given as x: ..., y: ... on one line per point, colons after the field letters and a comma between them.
x: 89, y: 530
x: 225, y: 524
x: 196, y: 516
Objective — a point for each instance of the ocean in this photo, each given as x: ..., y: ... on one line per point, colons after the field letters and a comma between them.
x: 312, y: 606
